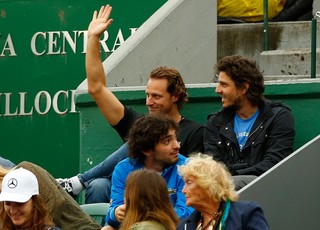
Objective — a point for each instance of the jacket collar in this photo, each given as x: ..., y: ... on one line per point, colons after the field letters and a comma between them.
x: 227, y: 115
x: 193, y: 220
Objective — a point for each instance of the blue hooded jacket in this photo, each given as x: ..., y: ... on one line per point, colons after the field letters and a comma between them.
x: 170, y: 174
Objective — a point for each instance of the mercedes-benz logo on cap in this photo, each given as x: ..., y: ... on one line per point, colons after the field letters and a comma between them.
x: 12, y: 183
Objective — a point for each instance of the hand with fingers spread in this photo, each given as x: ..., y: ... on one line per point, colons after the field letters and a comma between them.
x: 100, y: 21
x: 110, y: 106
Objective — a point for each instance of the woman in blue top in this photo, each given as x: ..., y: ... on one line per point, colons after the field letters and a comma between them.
x: 210, y: 190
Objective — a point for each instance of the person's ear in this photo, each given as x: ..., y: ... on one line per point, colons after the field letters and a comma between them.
x: 175, y: 98
x: 147, y: 152
x: 245, y: 87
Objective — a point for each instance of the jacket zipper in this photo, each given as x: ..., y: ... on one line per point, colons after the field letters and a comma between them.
x: 255, y: 130
x: 252, y: 134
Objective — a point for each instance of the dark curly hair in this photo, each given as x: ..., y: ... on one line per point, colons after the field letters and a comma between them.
x: 176, y: 85
x: 146, y: 132
x: 241, y: 70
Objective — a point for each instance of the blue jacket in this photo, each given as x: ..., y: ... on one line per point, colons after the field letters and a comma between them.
x: 243, y: 215
x: 174, y: 181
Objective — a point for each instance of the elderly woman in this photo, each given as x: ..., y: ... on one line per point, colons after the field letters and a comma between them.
x: 210, y: 190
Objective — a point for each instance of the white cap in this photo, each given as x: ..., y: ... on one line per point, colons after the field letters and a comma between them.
x: 19, y: 185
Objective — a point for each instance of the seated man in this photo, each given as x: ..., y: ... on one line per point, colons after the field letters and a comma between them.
x: 165, y: 94
x: 152, y: 145
x: 249, y: 134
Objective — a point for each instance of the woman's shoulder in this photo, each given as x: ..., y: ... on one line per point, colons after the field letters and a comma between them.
x: 246, y: 209
x: 246, y: 214
x: 246, y: 204
x: 146, y: 225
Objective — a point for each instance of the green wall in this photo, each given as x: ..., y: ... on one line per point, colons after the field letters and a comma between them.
x: 38, y: 62
x: 98, y: 139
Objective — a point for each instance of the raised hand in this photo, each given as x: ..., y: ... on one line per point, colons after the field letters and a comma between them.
x: 100, y: 21
x: 108, y: 103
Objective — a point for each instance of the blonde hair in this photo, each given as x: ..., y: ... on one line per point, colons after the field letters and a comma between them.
x: 210, y: 175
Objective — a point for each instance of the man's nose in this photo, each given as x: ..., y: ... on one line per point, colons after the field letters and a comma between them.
x: 218, y: 89
x: 149, y: 101
x: 177, y: 144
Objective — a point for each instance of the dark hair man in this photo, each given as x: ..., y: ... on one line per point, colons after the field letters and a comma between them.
x: 249, y: 134
x: 152, y: 145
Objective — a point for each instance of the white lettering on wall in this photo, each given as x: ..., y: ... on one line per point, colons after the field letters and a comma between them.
x: 23, y: 105
x: 43, y: 96
x: 103, y: 42
x: 61, y: 102
x: 71, y: 42
x: 72, y: 104
x: 33, y: 43
x: 55, y: 102
x: 7, y: 103
x: 119, y: 40
x: 8, y: 47
x: 57, y: 42
x: 84, y: 34
x: 53, y: 47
